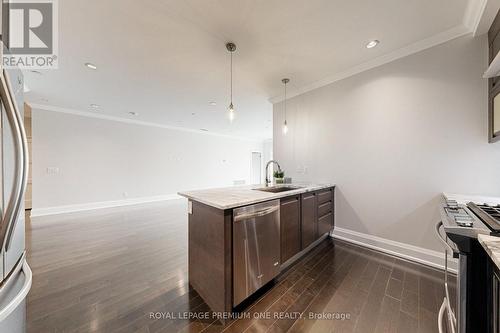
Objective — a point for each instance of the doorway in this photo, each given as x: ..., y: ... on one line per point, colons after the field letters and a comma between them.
x: 256, y: 168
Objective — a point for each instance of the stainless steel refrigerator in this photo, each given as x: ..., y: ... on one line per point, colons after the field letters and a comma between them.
x: 15, y: 274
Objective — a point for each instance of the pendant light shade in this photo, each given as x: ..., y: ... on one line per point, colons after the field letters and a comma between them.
x: 231, y: 112
x: 285, y: 128
x: 231, y: 47
x: 285, y: 124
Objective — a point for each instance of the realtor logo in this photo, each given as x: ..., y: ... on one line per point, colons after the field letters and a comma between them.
x: 32, y: 34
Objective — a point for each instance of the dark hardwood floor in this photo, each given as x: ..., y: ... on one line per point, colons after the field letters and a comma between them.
x: 125, y: 270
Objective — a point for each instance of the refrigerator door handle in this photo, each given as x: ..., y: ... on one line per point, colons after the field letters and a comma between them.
x: 21, y: 295
x: 21, y: 147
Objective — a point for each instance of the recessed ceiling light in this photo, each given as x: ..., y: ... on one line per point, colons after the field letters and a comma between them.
x: 213, y: 103
x: 132, y: 113
x: 91, y: 66
x: 203, y: 129
x: 372, y: 44
x: 94, y: 106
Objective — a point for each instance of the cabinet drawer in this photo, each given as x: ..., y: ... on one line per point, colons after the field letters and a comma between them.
x: 325, y: 224
x: 324, y: 196
x: 324, y: 208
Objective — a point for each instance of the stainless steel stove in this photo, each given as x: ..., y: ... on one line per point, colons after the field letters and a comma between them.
x: 462, y: 222
x: 458, y: 219
x: 489, y: 215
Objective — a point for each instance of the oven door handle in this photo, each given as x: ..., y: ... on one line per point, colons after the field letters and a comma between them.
x: 442, y: 309
x: 453, y: 251
x: 445, y: 307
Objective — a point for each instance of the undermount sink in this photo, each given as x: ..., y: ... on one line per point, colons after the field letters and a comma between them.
x: 277, y: 189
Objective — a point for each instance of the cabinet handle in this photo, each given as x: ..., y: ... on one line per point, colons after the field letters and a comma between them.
x: 325, y: 204
x: 325, y: 216
x: 294, y: 200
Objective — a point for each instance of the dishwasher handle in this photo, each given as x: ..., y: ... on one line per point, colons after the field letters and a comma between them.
x: 259, y: 213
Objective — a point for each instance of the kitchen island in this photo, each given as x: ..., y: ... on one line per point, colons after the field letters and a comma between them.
x: 241, y: 237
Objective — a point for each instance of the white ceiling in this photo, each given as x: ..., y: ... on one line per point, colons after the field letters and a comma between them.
x: 167, y: 59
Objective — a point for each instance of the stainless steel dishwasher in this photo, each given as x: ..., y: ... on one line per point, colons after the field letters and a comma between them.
x: 256, y: 247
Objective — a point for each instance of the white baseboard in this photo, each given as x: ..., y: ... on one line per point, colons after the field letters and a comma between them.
x: 406, y: 251
x: 35, y: 212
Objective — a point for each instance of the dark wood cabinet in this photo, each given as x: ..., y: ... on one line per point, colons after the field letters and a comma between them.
x: 493, y: 297
x: 309, y: 221
x: 324, y: 196
x: 325, y: 211
x: 494, y: 83
x: 304, y: 218
x: 210, y: 254
x: 290, y: 227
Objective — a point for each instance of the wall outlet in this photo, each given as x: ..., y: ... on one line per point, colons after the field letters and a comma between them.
x: 52, y: 171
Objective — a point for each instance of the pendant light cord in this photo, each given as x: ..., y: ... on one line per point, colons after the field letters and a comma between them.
x: 285, y: 102
x: 231, y: 77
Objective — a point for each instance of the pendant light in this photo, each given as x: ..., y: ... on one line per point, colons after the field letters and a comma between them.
x: 231, y: 47
x: 285, y: 125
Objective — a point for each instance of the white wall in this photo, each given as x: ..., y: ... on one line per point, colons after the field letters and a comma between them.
x: 267, y: 155
x: 395, y: 137
x: 100, y: 160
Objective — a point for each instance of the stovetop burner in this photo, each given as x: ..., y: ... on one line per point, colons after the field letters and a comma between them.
x: 490, y: 215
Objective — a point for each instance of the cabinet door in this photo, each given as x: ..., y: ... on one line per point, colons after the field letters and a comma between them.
x: 309, y: 219
x: 290, y: 227
x: 495, y: 300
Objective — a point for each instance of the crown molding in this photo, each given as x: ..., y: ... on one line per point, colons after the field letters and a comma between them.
x: 58, y: 109
x: 473, y: 13
x: 480, y: 14
x: 443, y: 37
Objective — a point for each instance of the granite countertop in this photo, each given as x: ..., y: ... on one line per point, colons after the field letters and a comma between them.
x: 491, y: 245
x: 237, y: 196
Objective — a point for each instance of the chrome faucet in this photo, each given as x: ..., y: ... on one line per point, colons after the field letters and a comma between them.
x: 268, y: 181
